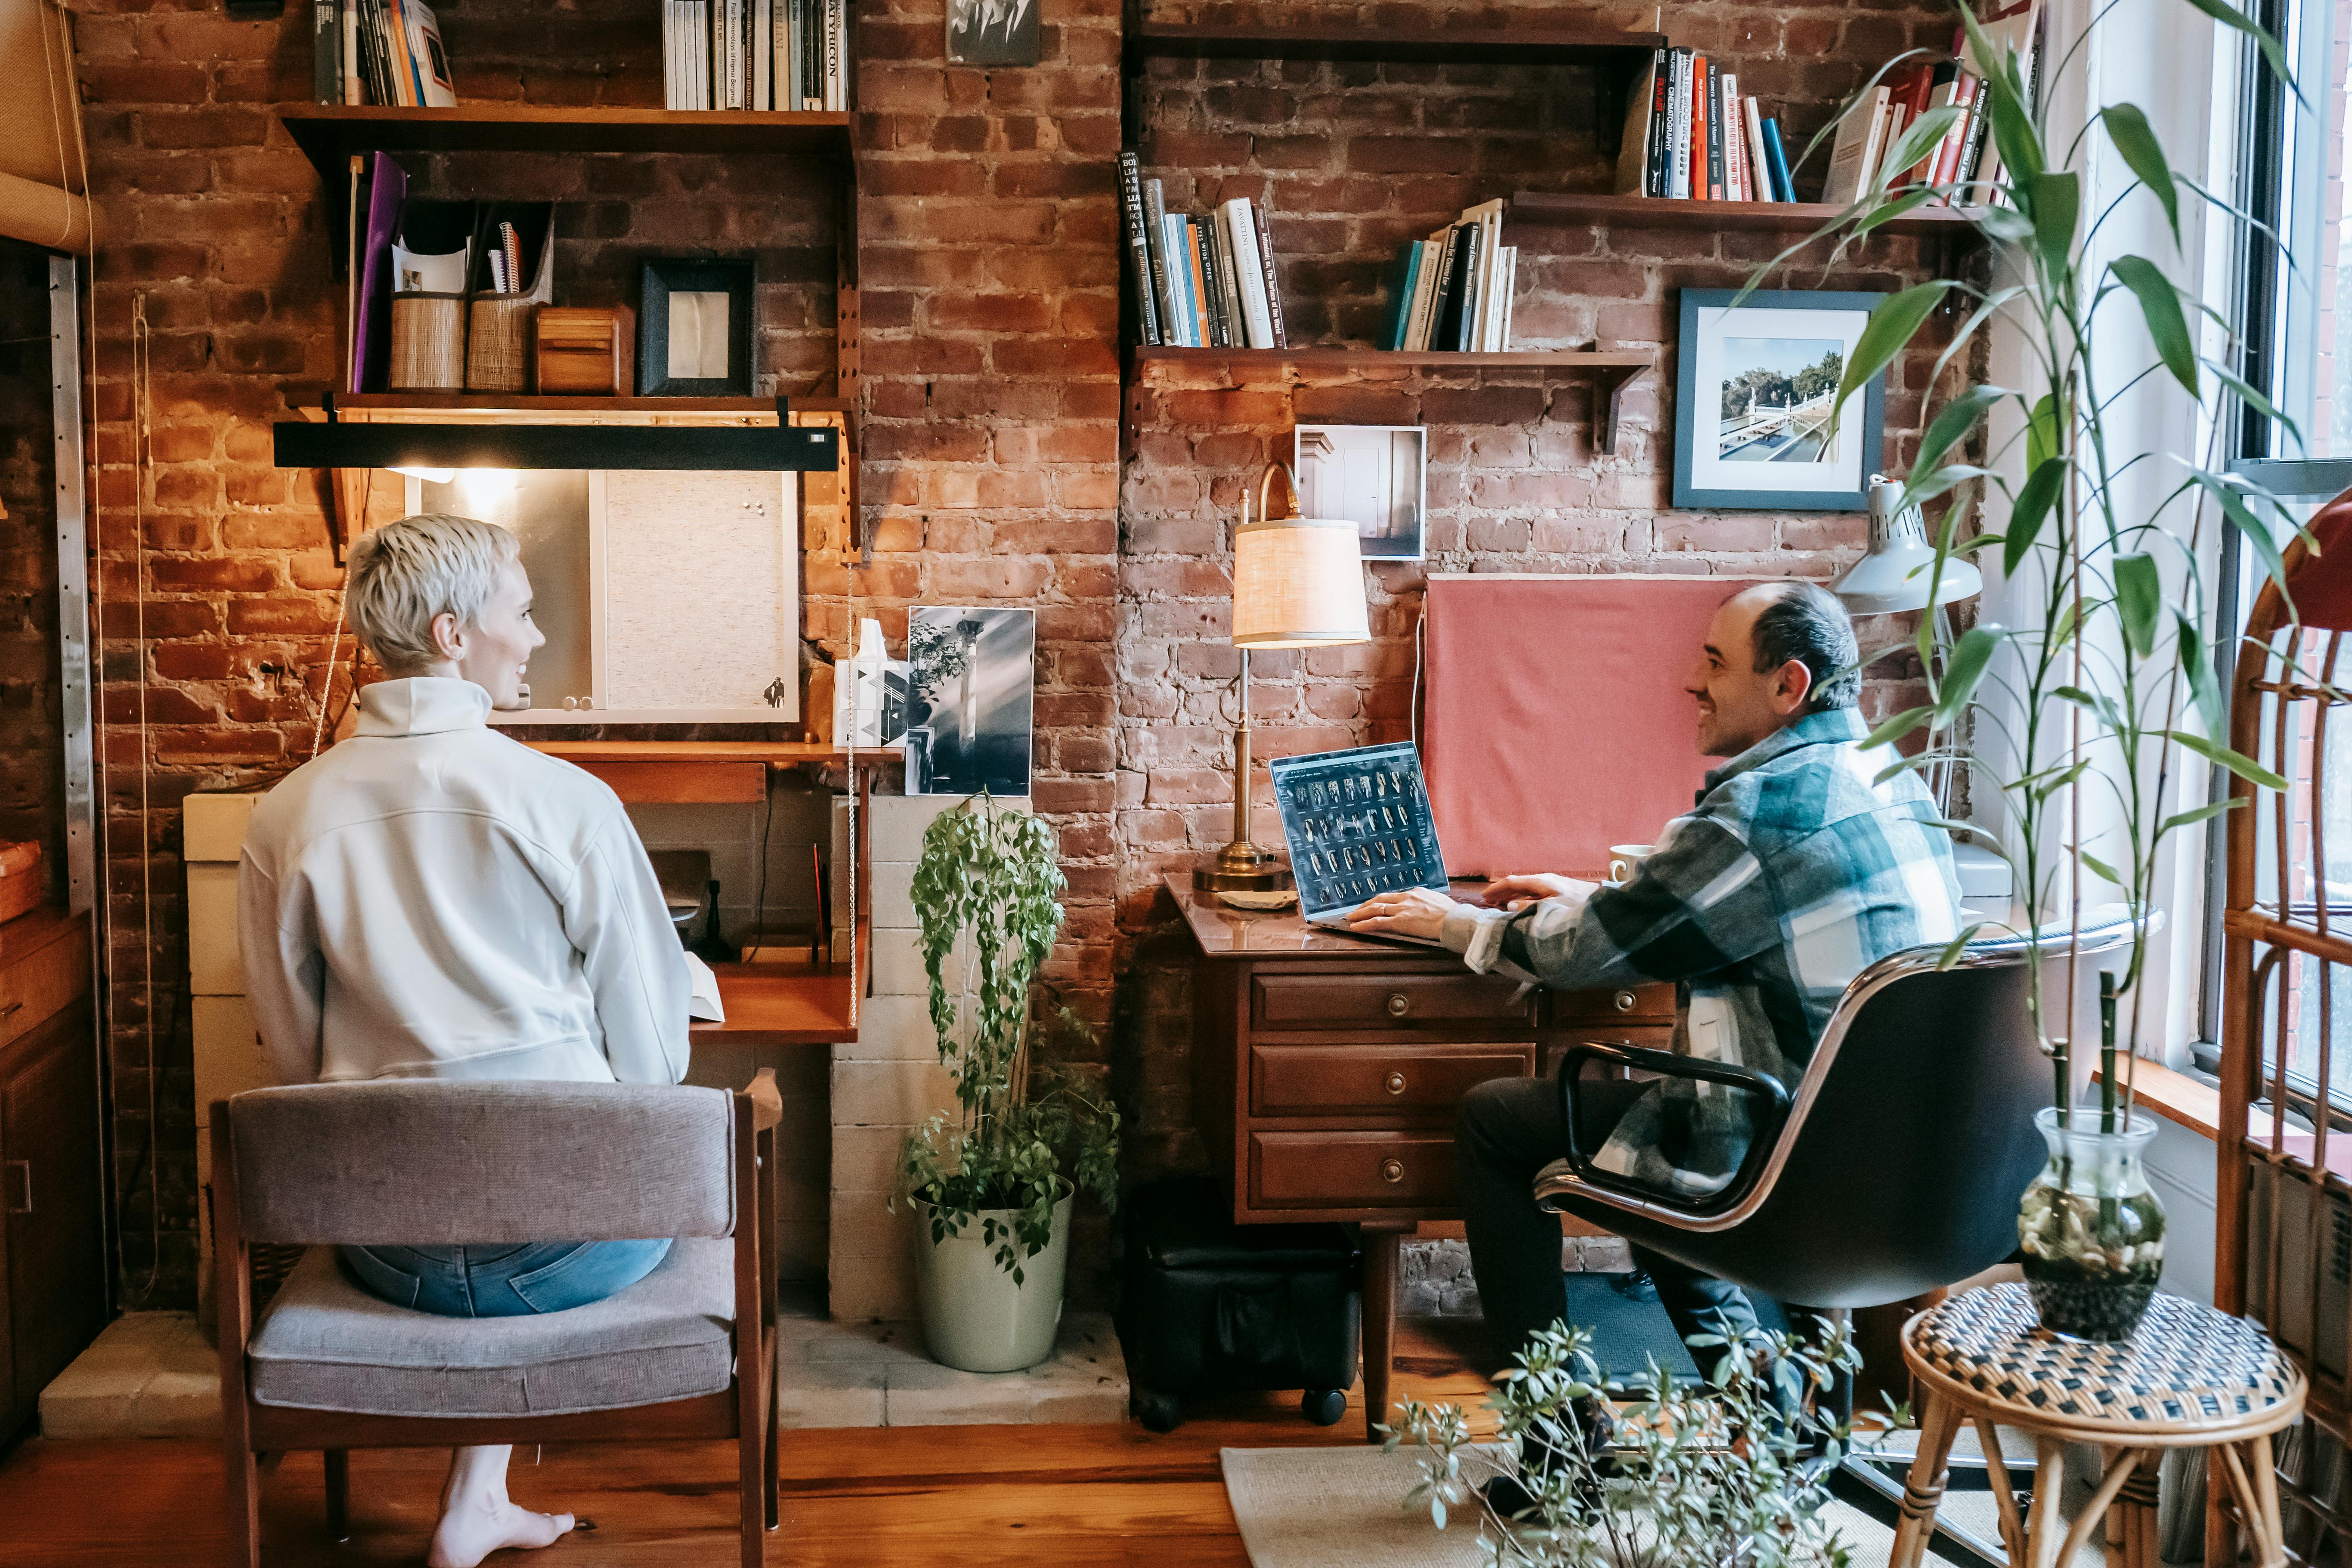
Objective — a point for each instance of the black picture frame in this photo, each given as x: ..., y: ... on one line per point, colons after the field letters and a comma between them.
x: 665, y: 276
x: 1699, y: 485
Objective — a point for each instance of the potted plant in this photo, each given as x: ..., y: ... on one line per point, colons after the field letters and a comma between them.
x: 1731, y: 1472
x: 994, y: 1181
x: 2107, y: 687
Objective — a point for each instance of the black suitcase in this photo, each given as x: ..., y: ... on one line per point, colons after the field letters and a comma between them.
x: 1207, y: 1304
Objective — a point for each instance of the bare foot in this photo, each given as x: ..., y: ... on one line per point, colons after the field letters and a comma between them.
x: 472, y: 1530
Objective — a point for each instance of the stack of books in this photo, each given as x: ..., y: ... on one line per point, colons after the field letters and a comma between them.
x: 754, y: 54
x: 386, y: 52
x: 1964, y: 156
x: 1200, y: 283
x: 1691, y: 135
x: 1453, y: 291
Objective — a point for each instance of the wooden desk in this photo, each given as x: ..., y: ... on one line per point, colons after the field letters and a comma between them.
x: 787, y: 1003
x: 1325, y: 1071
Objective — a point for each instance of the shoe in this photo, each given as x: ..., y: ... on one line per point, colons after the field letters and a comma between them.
x: 1636, y: 1286
x: 1510, y: 1500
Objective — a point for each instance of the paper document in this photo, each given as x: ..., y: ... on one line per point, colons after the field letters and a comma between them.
x: 703, y: 1006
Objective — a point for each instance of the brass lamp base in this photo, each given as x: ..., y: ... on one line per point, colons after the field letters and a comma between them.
x: 1241, y: 867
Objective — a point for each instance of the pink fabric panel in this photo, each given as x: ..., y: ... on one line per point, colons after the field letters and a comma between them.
x: 1554, y: 720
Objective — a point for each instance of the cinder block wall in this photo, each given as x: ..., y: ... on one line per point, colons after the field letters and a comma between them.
x: 995, y: 469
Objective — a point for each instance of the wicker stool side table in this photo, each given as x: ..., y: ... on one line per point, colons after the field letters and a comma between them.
x: 2190, y: 1377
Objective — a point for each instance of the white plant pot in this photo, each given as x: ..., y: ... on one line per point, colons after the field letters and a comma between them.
x: 974, y: 1317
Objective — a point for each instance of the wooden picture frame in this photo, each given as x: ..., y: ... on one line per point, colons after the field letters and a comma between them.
x: 1777, y: 345
x: 678, y: 355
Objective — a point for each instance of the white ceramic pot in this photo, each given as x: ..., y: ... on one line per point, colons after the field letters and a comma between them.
x: 974, y: 1317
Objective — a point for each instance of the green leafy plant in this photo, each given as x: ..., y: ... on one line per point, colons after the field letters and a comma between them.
x: 987, y: 892
x: 1732, y: 1472
x: 2114, y: 676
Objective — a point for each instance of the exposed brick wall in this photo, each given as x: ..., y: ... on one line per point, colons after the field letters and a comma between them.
x: 994, y: 467
x: 32, y: 728
x: 1350, y: 161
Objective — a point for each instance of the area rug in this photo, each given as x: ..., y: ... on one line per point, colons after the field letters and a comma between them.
x: 1344, y: 1508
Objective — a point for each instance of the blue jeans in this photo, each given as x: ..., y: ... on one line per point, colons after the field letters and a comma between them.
x: 510, y: 1280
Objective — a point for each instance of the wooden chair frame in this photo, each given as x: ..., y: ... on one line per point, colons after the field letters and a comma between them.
x: 256, y: 1434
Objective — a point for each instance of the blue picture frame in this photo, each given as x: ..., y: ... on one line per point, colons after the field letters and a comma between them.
x: 1701, y: 481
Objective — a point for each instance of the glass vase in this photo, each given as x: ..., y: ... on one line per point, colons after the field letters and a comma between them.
x: 2091, y: 1230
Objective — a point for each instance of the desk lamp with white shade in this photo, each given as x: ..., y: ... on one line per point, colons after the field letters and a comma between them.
x: 1298, y: 582
x: 1897, y: 575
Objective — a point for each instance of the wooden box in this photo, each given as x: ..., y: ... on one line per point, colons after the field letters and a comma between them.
x: 21, y: 884
x: 585, y: 351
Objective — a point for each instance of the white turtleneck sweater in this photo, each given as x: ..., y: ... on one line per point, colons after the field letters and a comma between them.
x: 429, y: 898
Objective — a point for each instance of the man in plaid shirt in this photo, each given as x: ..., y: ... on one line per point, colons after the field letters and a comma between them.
x: 1793, y: 873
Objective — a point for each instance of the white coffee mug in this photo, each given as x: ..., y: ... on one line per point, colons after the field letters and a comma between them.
x: 1624, y: 859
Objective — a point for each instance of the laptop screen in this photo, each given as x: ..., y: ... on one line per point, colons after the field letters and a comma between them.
x: 1357, y: 823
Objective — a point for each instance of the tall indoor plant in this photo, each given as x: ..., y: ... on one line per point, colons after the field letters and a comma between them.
x: 2101, y: 690
x: 994, y: 1182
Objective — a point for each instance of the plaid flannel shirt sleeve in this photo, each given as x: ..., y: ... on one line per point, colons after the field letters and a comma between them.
x: 1699, y: 904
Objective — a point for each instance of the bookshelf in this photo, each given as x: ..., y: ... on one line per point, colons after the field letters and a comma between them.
x: 330, y: 134
x: 1612, y: 370
x: 638, y: 410
x: 1453, y: 46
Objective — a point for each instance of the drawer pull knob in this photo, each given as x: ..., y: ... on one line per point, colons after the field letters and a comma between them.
x: 1393, y: 1083
x: 1392, y: 1171
x: 12, y: 1007
x: 1624, y: 1000
x: 1399, y: 1004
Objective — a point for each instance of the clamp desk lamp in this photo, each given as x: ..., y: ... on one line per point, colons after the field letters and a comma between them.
x: 1892, y: 576
x: 1298, y: 582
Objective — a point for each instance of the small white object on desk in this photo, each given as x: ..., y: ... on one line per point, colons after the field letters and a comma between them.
x: 703, y: 1005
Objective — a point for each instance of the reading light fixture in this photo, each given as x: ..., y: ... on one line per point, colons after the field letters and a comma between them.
x: 337, y: 443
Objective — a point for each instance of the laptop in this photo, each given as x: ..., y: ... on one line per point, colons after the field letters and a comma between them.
x: 1357, y: 823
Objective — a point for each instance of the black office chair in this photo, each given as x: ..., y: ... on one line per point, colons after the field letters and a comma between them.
x: 1895, y: 1170
x: 1897, y: 1167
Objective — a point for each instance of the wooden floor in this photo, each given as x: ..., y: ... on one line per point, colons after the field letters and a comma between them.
x: 936, y: 1497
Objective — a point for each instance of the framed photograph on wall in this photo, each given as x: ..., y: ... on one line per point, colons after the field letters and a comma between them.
x: 695, y: 337
x: 1754, y: 384
x: 992, y: 32
x: 1375, y: 476
x: 971, y: 678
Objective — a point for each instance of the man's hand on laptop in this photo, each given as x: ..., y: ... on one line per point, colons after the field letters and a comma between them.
x: 1518, y: 892
x: 1408, y: 911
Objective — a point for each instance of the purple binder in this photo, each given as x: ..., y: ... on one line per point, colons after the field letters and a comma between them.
x: 372, y: 338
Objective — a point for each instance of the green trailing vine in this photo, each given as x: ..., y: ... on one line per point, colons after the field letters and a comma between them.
x: 987, y: 893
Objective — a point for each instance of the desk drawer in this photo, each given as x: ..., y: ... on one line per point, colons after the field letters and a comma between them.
x: 1297, y: 1080
x: 1392, y: 1001
x: 36, y: 987
x: 1649, y: 1037
x: 1351, y: 1169
x: 1630, y: 1004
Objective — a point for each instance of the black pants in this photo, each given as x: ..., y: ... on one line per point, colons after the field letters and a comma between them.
x: 1509, y: 1130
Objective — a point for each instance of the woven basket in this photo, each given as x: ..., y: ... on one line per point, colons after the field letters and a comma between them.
x: 428, y: 343
x: 498, y: 350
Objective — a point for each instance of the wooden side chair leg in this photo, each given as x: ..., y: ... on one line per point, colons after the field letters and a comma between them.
x: 243, y: 1507
x: 338, y: 1494
x: 775, y: 1515
x: 1939, y: 1423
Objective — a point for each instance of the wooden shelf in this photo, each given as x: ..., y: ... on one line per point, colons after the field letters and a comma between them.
x: 1362, y: 359
x: 515, y: 403
x: 1650, y: 212
x: 777, y: 754
x: 329, y: 134
x: 1454, y: 46
x: 792, y: 1002
x: 1612, y: 370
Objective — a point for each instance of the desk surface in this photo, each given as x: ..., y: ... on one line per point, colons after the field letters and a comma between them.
x: 1223, y: 932
x: 781, y: 1004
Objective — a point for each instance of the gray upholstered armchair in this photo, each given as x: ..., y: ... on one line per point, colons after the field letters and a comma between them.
x: 686, y: 1351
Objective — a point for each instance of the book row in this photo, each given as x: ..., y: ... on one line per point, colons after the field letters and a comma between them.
x: 385, y: 52
x: 1691, y: 134
x: 1964, y: 162
x: 1200, y: 283
x: 755, y: 54
x: 1453, y: 291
